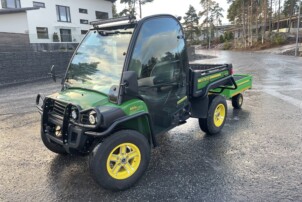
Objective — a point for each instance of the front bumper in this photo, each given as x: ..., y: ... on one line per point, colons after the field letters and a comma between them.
x: 74, y: 142
x: 71, y: 135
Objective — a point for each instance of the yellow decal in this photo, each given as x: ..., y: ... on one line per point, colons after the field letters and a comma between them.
x: 239, y: 84
x: 244, y: 89
x: 215, y: 76
x: 182, y: 100
x: 203, y: 79
x: 209, y: 77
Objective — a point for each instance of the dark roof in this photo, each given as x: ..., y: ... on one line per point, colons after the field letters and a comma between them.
x: 16, y: 10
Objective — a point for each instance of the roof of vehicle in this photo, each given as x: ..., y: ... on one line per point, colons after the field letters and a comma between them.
x: 121, y: 21
x: 114, y: 22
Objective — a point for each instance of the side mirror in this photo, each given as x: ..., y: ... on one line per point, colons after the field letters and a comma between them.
x: 129, y: 81
x: 53, y: 73
x: 129, y: 86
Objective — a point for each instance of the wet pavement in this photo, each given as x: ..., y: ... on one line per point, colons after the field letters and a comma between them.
x: 257, y: 156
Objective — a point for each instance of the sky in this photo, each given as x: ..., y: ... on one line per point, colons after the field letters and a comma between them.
x: 174, y: 7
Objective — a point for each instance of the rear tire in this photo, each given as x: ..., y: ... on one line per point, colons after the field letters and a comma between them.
x: 217, y: 114
x: 237, y: 101
x: 120, y: 160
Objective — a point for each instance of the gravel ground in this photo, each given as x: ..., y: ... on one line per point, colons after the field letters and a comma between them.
x: 257, y: 156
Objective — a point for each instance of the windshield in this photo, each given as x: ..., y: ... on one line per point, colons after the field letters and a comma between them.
x: 98, y: 62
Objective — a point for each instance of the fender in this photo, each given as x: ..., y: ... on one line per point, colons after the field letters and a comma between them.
x: 123, y: 120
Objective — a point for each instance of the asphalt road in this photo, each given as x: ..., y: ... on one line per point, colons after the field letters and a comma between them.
x: 257, y: 156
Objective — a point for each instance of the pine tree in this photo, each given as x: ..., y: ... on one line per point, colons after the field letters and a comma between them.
x: 191, y: 24
x: 289, y: 8
x: 114, y: 11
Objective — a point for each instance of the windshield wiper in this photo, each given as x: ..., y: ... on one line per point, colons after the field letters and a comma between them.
x: 88, y: 89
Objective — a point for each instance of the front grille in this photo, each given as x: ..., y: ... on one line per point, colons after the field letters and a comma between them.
x: 85, y: 119
x: 59, y: 108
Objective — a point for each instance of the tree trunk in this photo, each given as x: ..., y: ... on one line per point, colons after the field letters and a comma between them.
x: 289, y: 24
x: 290, y: 18
x: 278, y: 24
x: 264, y: 7
x: 140, y: 8
x: 257, y: 29
x: 251, y: 25
x: 209, y: 29
x: 271, y: 18
x: 243, y: 24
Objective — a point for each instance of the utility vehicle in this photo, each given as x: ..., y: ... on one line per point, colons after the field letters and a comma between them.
x: 128, y: 81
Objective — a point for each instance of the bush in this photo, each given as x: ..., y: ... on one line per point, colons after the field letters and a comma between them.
x: 195, y: 42
x: 227, y: 45
x: 278, y: 39
x: 216, y: 41
x: 228, y: 36
x: 55, y: 37
x: 221, y: 39
x: 204, y: 43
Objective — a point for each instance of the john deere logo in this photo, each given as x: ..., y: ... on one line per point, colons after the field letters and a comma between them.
x: 134, y: 108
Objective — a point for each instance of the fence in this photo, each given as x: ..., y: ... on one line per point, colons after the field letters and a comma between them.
x: 29, y: 62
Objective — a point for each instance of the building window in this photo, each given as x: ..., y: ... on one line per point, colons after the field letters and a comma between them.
x: 84, y: 31
x: 82, y: 10
x: 65, y: 35
x: 101, y: 15
x: 38, y: 4
x: 10, y: 3
x: 42, y: 32
x: 63, y: 14
x: 83, y: 21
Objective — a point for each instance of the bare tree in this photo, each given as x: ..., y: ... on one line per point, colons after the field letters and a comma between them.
x: 213, y: 14
x: 279, y: 11
x: 131, y: 6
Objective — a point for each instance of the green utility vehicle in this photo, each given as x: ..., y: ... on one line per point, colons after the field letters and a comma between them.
x: 127, y: 82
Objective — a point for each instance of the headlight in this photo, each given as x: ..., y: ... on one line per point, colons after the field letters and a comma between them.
x: 74, y: 114
x: 92, y: 118
x: 58, y: 131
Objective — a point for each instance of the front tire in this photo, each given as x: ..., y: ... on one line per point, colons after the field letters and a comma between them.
x: 217, y: 114
x: 120, y: 160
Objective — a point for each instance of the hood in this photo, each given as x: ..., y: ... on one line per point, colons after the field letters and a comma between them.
x: 84, y: 98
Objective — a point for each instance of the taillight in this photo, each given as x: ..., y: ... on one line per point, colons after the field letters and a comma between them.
x: 231, y: 71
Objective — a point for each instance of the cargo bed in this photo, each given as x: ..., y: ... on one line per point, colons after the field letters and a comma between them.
x: 243, y: 82
x: 204, y: 77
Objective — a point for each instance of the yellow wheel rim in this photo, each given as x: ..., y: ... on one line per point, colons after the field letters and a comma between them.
x: 123, y: 161
x: 219, y: 115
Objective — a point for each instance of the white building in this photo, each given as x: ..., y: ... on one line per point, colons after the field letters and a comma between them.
x: 47, y: 21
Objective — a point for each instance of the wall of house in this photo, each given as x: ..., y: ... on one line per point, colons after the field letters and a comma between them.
x: 292, y: 30
x: 47, y: 17
x: 16, y: 24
